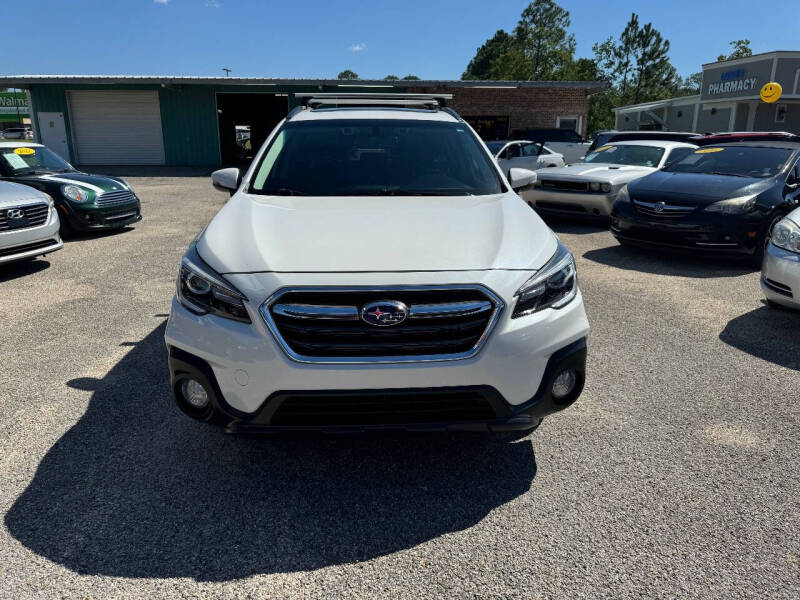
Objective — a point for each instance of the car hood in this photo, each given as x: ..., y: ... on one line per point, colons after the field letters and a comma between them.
x: 379, y: 234
x: 96, y: 183
x: 13, y: 194
x: 598, y: 172
x: 697, y: 186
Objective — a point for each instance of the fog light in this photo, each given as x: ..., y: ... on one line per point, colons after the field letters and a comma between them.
x: 194, y: 393
x: 564, y: 383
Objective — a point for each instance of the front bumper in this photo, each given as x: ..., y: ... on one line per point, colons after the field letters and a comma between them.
x: 590, y: 204
x: 19, y: 244
x: 780, y: 276
x: 249, y: 367
x: 699, y: 231
x: 89, y: 217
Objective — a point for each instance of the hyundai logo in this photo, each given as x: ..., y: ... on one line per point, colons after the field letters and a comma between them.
x: 384, y: 313
x: 15, y: 213
x: 659, y: 207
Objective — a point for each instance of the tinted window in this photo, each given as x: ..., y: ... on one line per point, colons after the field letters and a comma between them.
x: 20, y: 161
x: 742, y: 161
x: 530, y: 150
x: 513, y: 151
x: 640, y: 156
x: 678, y: 153
x: 359, y: 157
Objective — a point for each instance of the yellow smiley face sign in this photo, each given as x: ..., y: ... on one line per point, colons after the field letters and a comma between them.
x: 771, y: 92
x: 24, y: 151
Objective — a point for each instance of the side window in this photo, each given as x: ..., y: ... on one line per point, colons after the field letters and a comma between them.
x: 513, y: 151
x: 530, y: 150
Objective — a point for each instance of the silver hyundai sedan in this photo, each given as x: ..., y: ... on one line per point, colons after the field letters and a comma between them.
x: 28, y: 223
x: 780, y: 273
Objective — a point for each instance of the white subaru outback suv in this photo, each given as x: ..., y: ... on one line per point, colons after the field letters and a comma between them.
x: 375, y: 269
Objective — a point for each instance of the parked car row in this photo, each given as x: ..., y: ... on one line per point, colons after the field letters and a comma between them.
x: 732, y: 194
x: 43, y: 197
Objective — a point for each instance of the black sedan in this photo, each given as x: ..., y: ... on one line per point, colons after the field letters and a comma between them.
x: 723, y: 199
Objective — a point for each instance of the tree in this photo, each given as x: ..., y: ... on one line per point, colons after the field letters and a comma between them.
x: 542, y: 37
x: 391, y: 78
x: 347, y: 74
x: 741, y: 48
x: 480, y: 67
x: 411, y: 78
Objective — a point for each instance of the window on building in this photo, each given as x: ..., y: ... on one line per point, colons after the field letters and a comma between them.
x: 780, y: 113
x: 567, y: 123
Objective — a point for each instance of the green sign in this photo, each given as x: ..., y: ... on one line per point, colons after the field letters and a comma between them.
x: 13, y: 107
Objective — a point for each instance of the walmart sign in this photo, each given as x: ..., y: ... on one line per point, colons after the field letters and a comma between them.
x: 13, y: 104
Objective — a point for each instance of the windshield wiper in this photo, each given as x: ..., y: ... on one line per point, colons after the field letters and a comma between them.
x: 287, y: 192
x: 730, y: 174
x: 402, y: 192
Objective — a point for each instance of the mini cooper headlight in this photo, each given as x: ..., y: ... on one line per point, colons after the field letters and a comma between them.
x: 553, y: 287
x: 75, y: 193
x: 203, y: 291
x: 733, y: 206
x: 786, y: 235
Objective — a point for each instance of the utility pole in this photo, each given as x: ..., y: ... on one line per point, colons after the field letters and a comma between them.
x: 227, y: 71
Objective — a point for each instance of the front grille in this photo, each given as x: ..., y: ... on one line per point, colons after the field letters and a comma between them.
x: 34, y: 215
x: 27, y: 247
x: 561, y: 206
x: 662, y: 209
x: 325, y: 325
x: 406, y: 407
x: 777, y: 287
x: 572, y: 186
x: 112, y: 198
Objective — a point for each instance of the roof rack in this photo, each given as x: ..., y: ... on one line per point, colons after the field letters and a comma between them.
x: 373, y: 99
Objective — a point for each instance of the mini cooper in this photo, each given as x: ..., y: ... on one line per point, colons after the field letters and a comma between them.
x: 85, y: 202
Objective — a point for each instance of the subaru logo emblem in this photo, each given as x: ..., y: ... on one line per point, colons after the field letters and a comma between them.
x: 384, y: 313
x: 15, y: 213
x: 659, y: 207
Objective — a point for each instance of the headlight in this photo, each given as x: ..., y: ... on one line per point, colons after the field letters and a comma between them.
x: 622, y: 195
x: 203, y: 291
x: 734, y: 206
x: 605, y: 187
x: 594, y: 186
x: 786, y: 235
x: 75, y: 193
x: 553, y: 287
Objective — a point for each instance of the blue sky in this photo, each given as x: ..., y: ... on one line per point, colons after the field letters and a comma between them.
x: 434, y: 39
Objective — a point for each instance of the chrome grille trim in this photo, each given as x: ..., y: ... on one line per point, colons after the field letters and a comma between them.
x: 314, y: 311
x: 116, y: 197
x: 456, y: 309
x: 667, y: 210
x: 37, y: 215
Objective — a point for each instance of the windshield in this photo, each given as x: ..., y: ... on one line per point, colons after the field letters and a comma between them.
x: 358, y: 157
x: 638, y: 156
x: 495, y: 147
x: 29, y: 160
x: 737, y: 161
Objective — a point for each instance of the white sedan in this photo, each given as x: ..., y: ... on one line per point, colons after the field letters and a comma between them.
x: 589, y: 188
x: 522, y: 154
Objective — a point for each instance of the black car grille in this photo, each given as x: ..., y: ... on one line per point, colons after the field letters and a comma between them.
x: 402, y: 407
x: 33, y: 215
x: 572, y: 186
x: 113, y: 198
x: 324, y: 325
x: 663, y: 209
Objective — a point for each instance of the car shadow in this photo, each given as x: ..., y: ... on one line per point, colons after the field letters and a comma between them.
x: 767, y: 333
x: 664, y: 262
x: 94, y: 234
x: 136, y: 489
x: 574, y: 225
x: 24, y: 268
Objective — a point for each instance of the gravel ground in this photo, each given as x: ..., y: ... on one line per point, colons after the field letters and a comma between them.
x: 674, y: 476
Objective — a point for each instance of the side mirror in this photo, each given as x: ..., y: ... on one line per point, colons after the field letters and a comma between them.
x: 226, y: 180
x: 521, y: 178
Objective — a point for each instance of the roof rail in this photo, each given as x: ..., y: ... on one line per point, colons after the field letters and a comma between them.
x: 294, y: 111
x: 373, y: 99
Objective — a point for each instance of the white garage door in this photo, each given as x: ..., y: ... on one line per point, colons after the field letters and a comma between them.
x: 116, y: 128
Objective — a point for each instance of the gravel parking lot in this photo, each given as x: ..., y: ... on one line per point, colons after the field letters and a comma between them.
x: 675, y: 474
